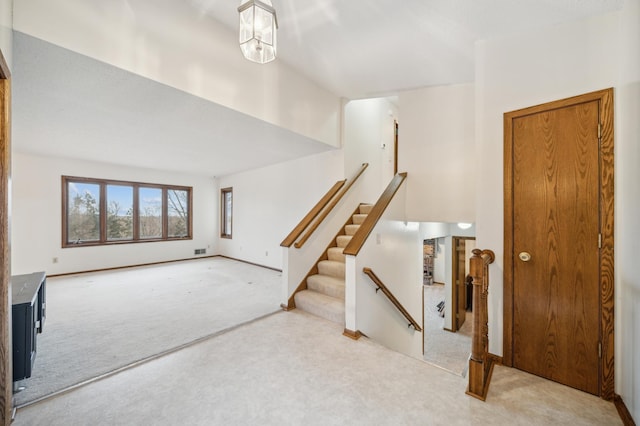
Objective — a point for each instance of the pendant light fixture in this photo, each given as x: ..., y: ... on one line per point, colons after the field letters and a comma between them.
x: 258, y: 26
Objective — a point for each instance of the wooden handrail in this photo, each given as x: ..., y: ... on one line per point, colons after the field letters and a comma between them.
x: 330, y: 207
x: 356, y: 243
x: 391, y: 297
x: 312, y: 214
x: 480, y: 365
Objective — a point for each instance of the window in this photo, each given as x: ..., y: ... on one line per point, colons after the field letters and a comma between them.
x: 119, y: 213
x: 98, y: 211
x: 83, y: 212
x: 178, y: 212
x: 150, y: 212
x: 227, y: 212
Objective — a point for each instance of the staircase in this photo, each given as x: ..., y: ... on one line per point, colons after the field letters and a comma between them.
x: 324, y: 296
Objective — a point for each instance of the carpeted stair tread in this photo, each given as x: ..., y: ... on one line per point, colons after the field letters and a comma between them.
x: 331, y: 268
x: 358, y: 218
x: 351, y: 229
x: 335, y: 253
x: 327, y: 285
x: 343, y: 240
x: 321, y: 305
x: 366, y: 208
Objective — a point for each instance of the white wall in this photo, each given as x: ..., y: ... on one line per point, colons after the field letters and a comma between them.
x: 627, y: 147
x: 368, y: 124
x: 437, y: 149
x: 269, y: 202
x: 36, y: 217
x: 394, y: 252
x: 542, y: 66
x: 6, y: 27
x: 193, y: 52
x: 439, y: 262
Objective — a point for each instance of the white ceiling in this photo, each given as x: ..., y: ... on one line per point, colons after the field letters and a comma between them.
x: 354, y: 48
x: 368, y: 48
x: 69, y: 105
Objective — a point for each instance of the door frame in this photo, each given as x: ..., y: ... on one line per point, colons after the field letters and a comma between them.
x: 6, y: 371
x: 606, y: 201
x: 455, y: 259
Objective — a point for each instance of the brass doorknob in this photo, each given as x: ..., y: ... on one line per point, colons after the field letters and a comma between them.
x: 524, y: 256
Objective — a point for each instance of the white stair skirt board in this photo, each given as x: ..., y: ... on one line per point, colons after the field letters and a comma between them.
x: 324, y: 296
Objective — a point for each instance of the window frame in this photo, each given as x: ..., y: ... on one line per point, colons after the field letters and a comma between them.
x: 223, y: 213
x: 102, y: 211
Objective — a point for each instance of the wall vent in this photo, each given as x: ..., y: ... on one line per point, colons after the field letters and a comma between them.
x: 200, y: 251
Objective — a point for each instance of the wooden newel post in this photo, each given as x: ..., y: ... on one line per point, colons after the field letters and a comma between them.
x: 479, y: 366
x: 475, y: 264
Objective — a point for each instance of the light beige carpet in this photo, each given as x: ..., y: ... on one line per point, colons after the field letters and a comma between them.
x: 443, y: 348
x: 98, y: 322
x: 292, y: 368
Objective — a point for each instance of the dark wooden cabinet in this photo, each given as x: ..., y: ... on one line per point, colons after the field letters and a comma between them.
x: 28, y: 316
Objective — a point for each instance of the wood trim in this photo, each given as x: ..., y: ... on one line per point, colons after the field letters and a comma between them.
x: 5, y: 72
x: 300, y: 227
x: 607, y: 279
x: 6, y: 370
x: 480, y: 364
x: 605, y: 99
x: 623, y: 411
x: 326, y: 211
x: 291, y: 304
x: 243, y: 261
x: 102, y: 207
x: 223, y: 210
x: 286, y: 307
x: 115, y: 268
x: 485, y: 390
x: 356, y: 243
x: 355, y: 335
x: 377, y: 281
x: 496, y: 359
x: 507, y: 290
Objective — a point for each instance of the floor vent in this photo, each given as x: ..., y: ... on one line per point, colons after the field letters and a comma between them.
x: 200, y: 251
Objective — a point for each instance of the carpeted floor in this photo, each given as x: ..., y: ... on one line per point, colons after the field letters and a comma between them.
x: 291, y: 368
x: 99, y: 322
x: 443, y: 348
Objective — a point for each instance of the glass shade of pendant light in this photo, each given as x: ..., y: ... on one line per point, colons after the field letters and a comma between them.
x: 258, y: 26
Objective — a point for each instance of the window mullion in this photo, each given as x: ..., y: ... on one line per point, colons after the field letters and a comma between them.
x: 136, y: 213
x: 165, y: 213
x: 103, y: 212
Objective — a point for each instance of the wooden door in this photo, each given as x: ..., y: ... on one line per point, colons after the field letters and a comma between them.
x: 555, y: 243
x: 460, y: 299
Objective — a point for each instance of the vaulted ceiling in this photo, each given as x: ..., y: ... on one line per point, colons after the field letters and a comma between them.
x: 353, y: 48
x: 369, y: 48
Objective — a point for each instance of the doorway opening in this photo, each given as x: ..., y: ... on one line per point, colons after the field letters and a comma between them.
x: 447, y: 315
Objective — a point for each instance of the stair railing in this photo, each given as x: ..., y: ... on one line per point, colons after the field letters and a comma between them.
x: 377, y: 281
x: 320, y: 211
x: 304, y: 223
x: 480, y: 364
x: 358, y: 240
